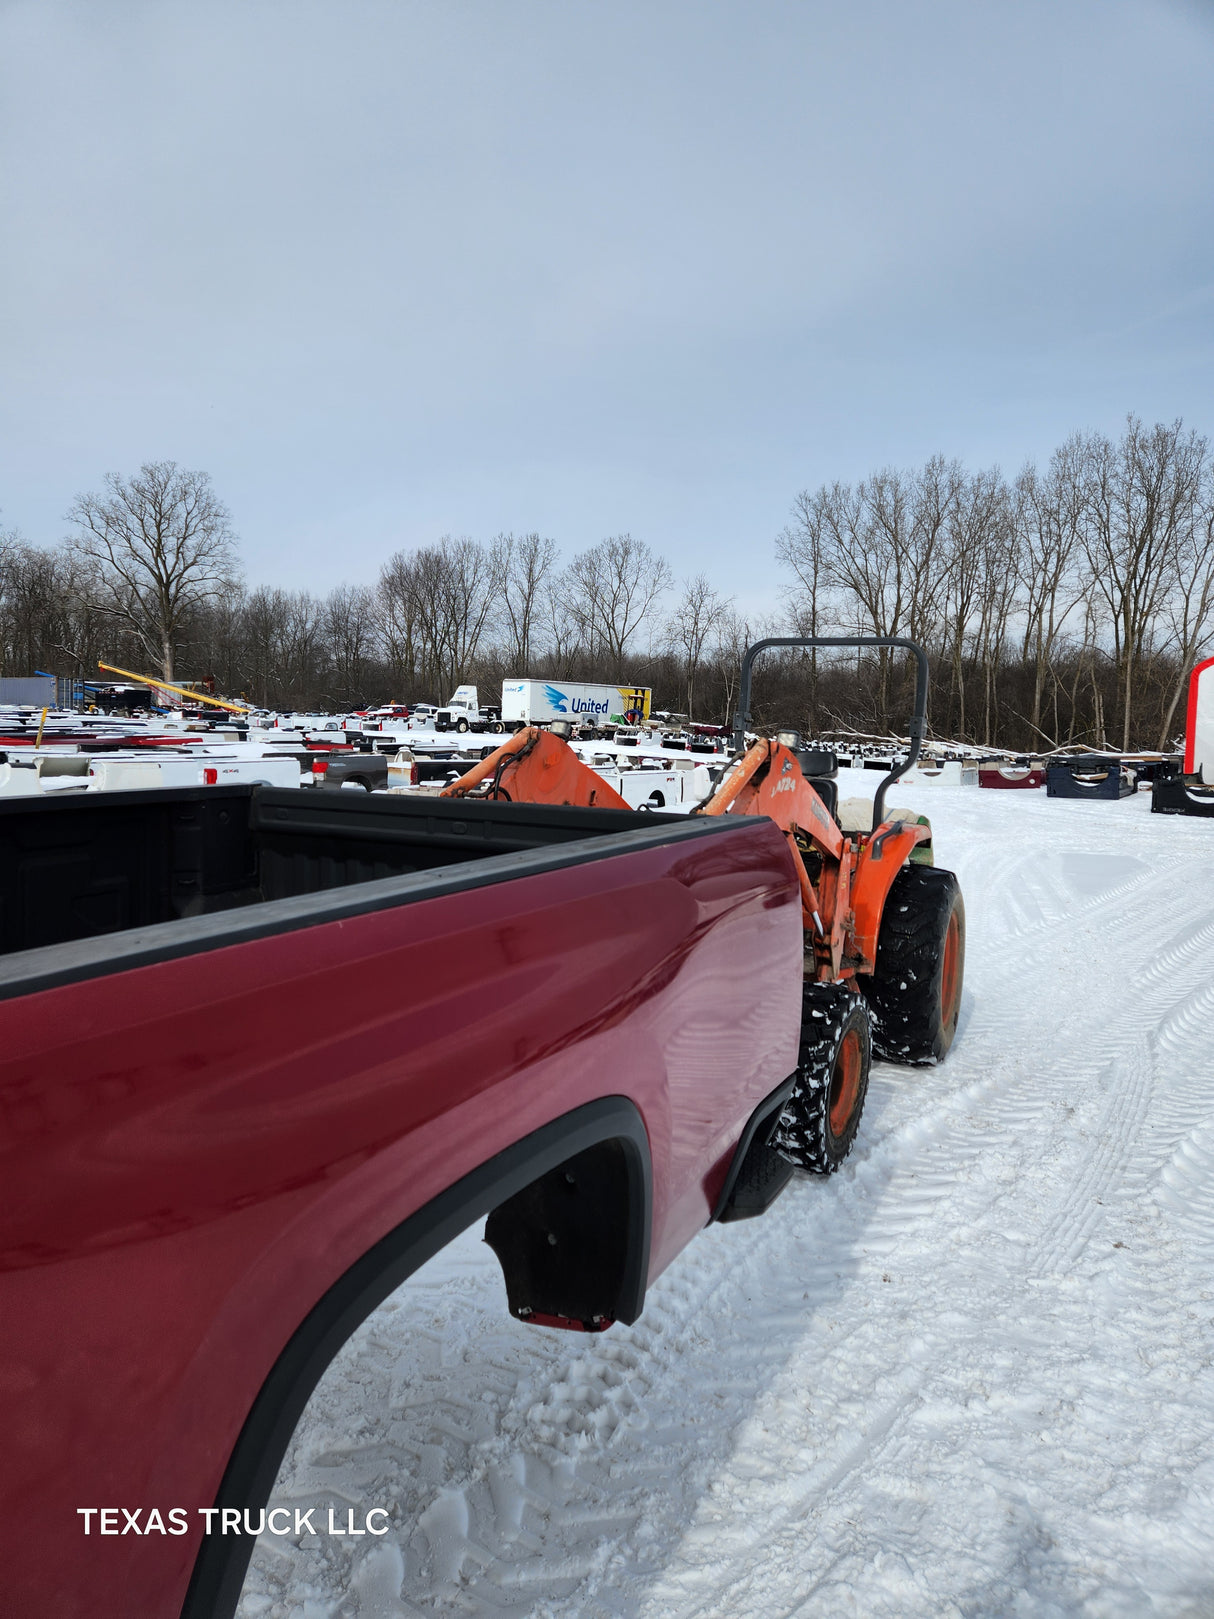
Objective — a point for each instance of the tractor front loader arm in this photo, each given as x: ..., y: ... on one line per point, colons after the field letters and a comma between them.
x: 535, y: 767
x: 768, y: 781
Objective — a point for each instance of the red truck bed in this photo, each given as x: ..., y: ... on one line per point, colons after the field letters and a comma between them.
x: 265, y: 1052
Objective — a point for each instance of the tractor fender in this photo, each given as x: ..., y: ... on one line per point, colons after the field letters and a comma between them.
x: 880, y: 860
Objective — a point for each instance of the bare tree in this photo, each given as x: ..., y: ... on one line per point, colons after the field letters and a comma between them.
x: 882, y: 545
x: 698, y: 615
x: 282, y: 655
x: 565, y: 628
x: 399, y: 622
x: 935, y: 491
x: 979, y: 507
x: 1190, y: 608
x: 860, y: 558
x: 469, y: 590
x: 611, y: 592
x: 351, y: 624
x: 733, y: 636
x: 436, y: 605
x: 219, y: 643
x: 804, y: 547
x: 525, y: 563
x: 1142, y: 498
x: 999, y: 583
x: 162, y: 544
x: 45, y: 617
x: 1049, y: 522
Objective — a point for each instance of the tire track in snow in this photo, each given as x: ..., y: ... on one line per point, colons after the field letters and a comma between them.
x: 1070, y: 1224
x: 1186, y: 1024
x: 526, y: 1507
x: 1142, y: 1127
x: 1189, y: 948
x: 1179, y: 1033
x: 1042, y: 898
x: 485, y: 1518
x: 1186, y: 1193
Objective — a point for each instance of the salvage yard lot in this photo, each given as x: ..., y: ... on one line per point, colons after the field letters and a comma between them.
x: 972, y: 1374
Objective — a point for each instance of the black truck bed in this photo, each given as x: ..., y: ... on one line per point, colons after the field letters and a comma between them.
x: 98, y: 883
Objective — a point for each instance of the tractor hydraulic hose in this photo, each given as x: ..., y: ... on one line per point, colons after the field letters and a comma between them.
x: 918, y: 725
x: 810, y: 903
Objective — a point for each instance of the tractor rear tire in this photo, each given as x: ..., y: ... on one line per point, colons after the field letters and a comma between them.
x: 915, y: 992
x: 819, y: 1121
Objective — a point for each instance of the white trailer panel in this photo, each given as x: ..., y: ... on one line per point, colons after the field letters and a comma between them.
x: 1199, y: 722
x: 539, y: 702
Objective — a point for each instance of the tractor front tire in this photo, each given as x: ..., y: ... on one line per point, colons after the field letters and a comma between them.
x: 915, y: 992
x: 816, y: 1129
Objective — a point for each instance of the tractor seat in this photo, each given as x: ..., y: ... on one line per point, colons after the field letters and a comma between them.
x: 817, y: 762
x: 856, y: 814
x: 827, y: 791
x: 820, y: 767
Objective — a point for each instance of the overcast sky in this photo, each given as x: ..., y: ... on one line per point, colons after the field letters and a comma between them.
x: 389, y: 271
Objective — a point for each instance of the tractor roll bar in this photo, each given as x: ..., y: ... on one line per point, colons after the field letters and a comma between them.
x: 918, y: 723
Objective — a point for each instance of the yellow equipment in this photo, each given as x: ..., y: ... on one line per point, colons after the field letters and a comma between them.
x: 179, y: 691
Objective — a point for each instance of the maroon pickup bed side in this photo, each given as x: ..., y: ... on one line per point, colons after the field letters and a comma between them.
x: 215, y: 1161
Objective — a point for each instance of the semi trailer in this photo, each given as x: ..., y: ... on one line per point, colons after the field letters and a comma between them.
x: 540, y: 702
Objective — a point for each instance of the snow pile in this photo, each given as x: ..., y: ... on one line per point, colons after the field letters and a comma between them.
x: 972, y: 1374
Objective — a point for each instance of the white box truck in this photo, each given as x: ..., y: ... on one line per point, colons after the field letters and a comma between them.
x: 539, y: 702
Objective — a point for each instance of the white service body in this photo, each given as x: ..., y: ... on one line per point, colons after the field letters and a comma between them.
x: 673, y: 783
x: 47, y: 774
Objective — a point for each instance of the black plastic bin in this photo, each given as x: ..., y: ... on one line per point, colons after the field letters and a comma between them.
x: 1088, y: 778
x: 1182, y: 795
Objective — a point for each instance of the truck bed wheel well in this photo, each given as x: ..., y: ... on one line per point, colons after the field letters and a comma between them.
x: 563, y: 1241
x: 532, y: 1168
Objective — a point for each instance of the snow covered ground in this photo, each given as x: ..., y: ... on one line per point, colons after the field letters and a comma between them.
x: 973, y: 1374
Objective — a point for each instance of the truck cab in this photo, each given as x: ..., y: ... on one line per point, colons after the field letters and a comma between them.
x: 464, y: 713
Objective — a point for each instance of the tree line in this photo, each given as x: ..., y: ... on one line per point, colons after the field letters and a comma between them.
x: 1063, y: 605
x: 1066, y: 604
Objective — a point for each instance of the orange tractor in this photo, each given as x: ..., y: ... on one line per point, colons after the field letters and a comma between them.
x: 884, y: 926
